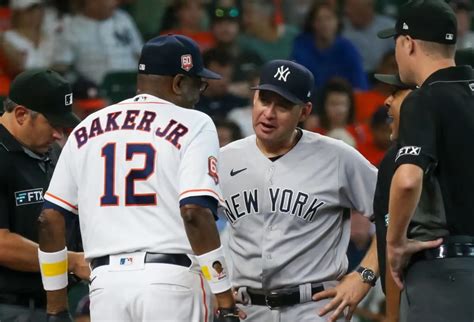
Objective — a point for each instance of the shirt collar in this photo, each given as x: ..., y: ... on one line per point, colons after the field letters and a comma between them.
x: 8, y: 141
x: 456, y: 73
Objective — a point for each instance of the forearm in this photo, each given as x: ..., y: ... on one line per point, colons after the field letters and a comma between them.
x: 370, y: 259
x: 18, y: 253
x: 392, y: 294
x: 201, y: 230
x: 405, y: 193
x: 52, y: 238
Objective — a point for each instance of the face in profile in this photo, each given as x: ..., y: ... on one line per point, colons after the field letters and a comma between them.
x: 393, y: 103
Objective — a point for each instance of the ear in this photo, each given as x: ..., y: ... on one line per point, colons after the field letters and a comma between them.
x: 176, y: 85
x: 409, y: 45
x: 306, y: 111
x: 255, y: 96
x: 21, y: 114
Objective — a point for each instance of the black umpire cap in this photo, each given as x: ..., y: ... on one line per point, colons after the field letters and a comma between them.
x: 429, y: 20
x: 171, y: 55
x: 288, y: 79
x: 46, y: 92
x: 393, y: 80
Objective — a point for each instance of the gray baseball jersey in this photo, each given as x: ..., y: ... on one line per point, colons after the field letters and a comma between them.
x: 290, y: 219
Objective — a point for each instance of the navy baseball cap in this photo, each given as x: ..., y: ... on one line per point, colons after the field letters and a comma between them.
x: 46, y: 92
x: 429, y: 20
x: 288, y: 79
x: 171, y: 55
x: 393, y: 80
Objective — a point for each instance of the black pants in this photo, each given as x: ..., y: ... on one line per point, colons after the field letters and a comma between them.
x: 439, y: 290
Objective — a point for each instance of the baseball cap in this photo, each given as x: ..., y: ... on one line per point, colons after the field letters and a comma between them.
x: 430, y: 20
x: 23, y: 4
x: 46, y: 92
x: 393, y: 80
x: 170, y: 55
x: 464, y: 57
x: 288, y: 79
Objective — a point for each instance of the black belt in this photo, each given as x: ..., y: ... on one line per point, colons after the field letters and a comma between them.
x: 281, y: 297
x: 446, y: 251
x: 174, y: 259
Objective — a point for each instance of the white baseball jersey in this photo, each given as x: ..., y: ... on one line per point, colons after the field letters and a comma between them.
x: 126, y: 168
x: 290, y: 219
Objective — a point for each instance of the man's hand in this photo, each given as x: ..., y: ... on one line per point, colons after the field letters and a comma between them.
x: 226, y: 300
x: 399, y: 255
x: 348, y: 293
x: 78, y: 265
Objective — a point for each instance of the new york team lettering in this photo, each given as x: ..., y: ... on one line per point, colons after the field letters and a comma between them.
x: 282, y: 201
x: 172, y: 132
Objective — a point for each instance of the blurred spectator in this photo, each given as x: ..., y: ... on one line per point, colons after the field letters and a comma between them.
x: 324, y: 52
x: 148, y: 15
x: 227, y: 131
x: 294, y: 11
x: 379, y: 141
x: 26, y: 45
x: 367, y: 102
x: 186, y: 18
x: 361, y: 25
x: 216, y: 101
x: 262, y: 34
x: 98, y: 40
x: 463, y: 9
x: 242, y: 116
x: 336, y: 113
x: 225, y: 28
x: 465, y: 56
x: 87, y: 98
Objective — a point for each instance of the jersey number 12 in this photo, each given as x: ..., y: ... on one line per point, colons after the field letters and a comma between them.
x: 110, y: 198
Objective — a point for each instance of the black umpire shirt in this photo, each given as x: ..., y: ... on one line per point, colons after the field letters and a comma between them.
x: 429, y: 208
x: 24, y: 177
x: 436, y: 134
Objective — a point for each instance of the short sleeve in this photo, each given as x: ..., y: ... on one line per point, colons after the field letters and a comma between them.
x: 357, y: 179
x: 198, y: 171
x: 417, y: 133
x: 63, y: 190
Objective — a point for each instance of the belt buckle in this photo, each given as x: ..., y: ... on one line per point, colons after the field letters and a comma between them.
x: 271, y: 300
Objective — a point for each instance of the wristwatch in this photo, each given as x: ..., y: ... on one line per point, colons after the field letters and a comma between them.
x: 367, y: 275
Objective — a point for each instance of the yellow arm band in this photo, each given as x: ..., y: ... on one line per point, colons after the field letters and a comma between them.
x: 53, y: 269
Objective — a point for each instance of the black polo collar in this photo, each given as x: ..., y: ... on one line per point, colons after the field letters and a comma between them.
x: 8, y: 141
x: 457, y: 74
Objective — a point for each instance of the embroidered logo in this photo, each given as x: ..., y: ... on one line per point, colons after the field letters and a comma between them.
x: 405, y: 26
x: 282, y: 73
x: 28, y: 197
x: 141, y: 66
x: 68, y: 99
x: 449, y: 36
x: 408, y: 150
x: 187, y: 62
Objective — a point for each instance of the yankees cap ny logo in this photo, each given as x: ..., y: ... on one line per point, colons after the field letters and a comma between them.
x: 282, y: 73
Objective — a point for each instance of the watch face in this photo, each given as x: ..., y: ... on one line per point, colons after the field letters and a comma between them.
x: 368, y: 275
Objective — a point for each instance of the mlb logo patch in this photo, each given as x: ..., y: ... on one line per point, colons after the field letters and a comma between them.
x: 28, y: 197
x: 449, y: 36
x: 141, y: 66
x: 68, y: 99
x: 187, y: 62
x: 126, y: 261
x: 405, y: 26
